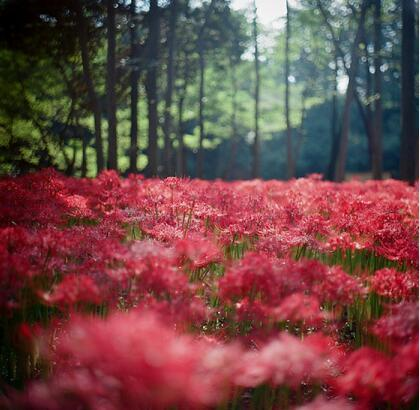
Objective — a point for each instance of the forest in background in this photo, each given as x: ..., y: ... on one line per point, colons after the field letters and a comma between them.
x: 193, y: 88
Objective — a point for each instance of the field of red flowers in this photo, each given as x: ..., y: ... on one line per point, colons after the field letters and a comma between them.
x: 183, y: 294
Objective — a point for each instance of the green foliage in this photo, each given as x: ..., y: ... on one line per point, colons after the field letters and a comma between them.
x: 45, y: 114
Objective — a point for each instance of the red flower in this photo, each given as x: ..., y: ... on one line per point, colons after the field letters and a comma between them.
x: 394, y: 284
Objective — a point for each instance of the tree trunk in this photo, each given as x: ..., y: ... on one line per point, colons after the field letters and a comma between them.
x: 180, y: 159
x: 151, y: 88
x: 290, y: 171
x: 134, y: 89
x: 300, y: 134
x: 201, y: 52
x: 93, y: 98
x: 110, y: 88
x: 256, y: 148
x: 334, y: 133
x: 409, y: 131
x: 230, y: 165
x: 181, y: 165
x: 366, y: 111
x: 199, y: 168
x: 83, y: 170
x: 377, y: 116
x: 340, y: 167
x: 366, y: 121
x: 170, y: 75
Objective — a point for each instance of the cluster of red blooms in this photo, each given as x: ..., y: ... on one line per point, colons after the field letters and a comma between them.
x: 145, y: 293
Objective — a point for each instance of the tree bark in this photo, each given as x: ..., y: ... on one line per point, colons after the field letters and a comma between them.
x: 93, y: 98
x: 290, y: 169
x: 377, y: 116
x: 110, y: 88
x: 180, y: 158
x: 134, y: 89
x: 170, y: 75
x: 230, y: 165
x: 409, y: 131
x: 181, y: 166
x: 202, y: 67
x: 334, y: 133
x: 363, y: 113
x: 366, y: 111
x: 300, y: 134
x: 256, y: 147
x: 340, y: 167
x: 151, y: 88
x: 83, y: 170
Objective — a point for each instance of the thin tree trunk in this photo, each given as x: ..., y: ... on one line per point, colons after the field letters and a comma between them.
x: 180, y: 159
x: 181, y: 165
x: 340, y: 168
x: 202, y: 67
x: 93, y: 98
x: 366, y: 122
x: 256, y: 147
x: 290, y: 171
x: 83, y: 170
x: 73, y: 160
x: 409, y: 131
x: 366, y: 111
x: 334, y: 132
x: 301, y: 129
x: 134, y: 89
x: 170, y: 75
x: 230, y: 165
x: 377, y: 119
x: 151, y: 88
x: 110, y: 88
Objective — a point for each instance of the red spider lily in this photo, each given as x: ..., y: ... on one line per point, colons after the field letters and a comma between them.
x: 201, y: 268
x: 73, y: 289
x: 287, y: 361
x: 374, y: 378
x: 338, y: 286
x: 400, y: 325
x: 321, y: 403
x: 132, y: 361
x: 395, y: 284
x: 254, y: 276
x: 198, y: 252
x: 301, y: 308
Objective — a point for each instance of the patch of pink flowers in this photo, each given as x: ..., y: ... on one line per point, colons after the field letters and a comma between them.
x: 161, y: 294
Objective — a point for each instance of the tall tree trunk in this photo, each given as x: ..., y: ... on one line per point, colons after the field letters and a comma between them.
x: 202, y: 67
x: 290, y: 171
x: 377, y: 116
x: 151, y: 88
x: 230, y: 165
x: 334, y: 133
x: 110, y: 88
x: 93, y: 98
x: 134, y: 88
x: 181, y: 165
x: 83, y: 170
x: 366, y: 112
x: 180, y: 158
x: 409, y: 131
x: 256, y: 147
x: 366, y: 121
x: 170, y: 75
x: 84, y: 137
x: 340, y: 167
x: 300, y: 134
